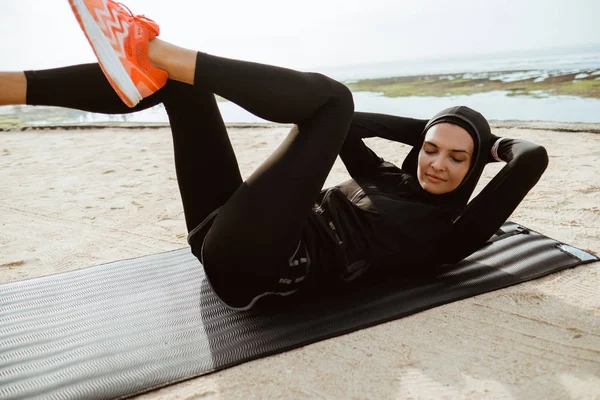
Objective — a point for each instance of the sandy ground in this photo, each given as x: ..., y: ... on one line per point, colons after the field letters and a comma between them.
x: 69, y: 199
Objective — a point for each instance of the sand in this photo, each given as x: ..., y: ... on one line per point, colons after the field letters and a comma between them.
x: 74, y: 198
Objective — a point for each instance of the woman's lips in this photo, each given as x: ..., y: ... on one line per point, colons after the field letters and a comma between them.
x: 434, y: 178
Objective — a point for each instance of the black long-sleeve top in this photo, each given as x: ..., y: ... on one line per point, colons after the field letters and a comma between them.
x: 377, y: 221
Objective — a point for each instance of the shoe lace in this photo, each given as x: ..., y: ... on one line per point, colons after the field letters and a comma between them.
x: 141, y: 18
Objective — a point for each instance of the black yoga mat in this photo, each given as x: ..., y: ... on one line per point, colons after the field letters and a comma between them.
x: 124, y: 328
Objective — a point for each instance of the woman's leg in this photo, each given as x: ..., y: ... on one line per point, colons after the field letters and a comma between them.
x: 81, y: 87
x: 13, y: 88
x: 260, y: 225
x: 205, y: 163
x: 262, y: 222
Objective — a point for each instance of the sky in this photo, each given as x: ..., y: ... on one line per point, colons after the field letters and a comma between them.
x: 308, y: 34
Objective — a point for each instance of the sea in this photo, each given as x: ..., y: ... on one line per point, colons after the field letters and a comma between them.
x: 496, y: 105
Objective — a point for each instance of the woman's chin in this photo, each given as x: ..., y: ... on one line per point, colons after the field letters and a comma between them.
x: 431, y: 188
x: 426, y: 187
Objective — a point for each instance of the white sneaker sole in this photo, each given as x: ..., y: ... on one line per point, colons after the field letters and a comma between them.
x: 107, y: 57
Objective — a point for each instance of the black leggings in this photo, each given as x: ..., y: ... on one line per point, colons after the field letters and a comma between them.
x: 261, y: 220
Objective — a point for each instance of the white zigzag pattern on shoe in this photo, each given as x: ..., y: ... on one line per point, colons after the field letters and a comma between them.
x: 109, y: 19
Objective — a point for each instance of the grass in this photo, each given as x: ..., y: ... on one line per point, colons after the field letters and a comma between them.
x: 10, y: 121
x: 461, y: 84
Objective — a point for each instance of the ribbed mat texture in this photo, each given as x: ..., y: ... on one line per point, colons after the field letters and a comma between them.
x: 124, y: 328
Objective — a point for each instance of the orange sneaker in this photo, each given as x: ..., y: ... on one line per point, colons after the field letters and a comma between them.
x: 120, y: 41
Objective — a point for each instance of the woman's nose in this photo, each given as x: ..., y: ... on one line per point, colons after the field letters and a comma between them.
x: 438, y: 164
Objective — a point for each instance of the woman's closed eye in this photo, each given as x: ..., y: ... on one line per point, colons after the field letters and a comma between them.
x: 455, y: 159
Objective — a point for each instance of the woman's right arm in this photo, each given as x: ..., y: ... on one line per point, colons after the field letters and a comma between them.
x: 485, y: 214
x: 358, y: 157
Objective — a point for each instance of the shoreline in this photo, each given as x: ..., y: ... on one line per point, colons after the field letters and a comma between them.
x: 535, y: 83
x: 590, y: 127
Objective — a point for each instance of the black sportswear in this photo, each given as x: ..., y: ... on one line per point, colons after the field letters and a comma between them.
x: 278, y: 231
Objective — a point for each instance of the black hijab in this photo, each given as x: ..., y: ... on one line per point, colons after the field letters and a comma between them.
x: 418, y: 221
x: 479, y: 129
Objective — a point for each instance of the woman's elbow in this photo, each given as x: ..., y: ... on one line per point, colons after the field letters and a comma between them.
x: 534, y: 159
x: 540, y: 158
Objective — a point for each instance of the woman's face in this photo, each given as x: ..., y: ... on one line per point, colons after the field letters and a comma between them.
x: 445, y: 158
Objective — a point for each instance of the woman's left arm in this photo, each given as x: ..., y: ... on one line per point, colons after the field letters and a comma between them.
x: 358, y: 157
x: 485, y: 214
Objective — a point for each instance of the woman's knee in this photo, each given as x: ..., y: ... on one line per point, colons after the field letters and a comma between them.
x: 339, y: 95
x: 345, y: 100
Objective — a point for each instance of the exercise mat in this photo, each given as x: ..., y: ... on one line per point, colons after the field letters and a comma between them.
x: 127, y: 327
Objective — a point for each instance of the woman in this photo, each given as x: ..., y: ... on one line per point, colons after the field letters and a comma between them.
x: 278, y: 232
